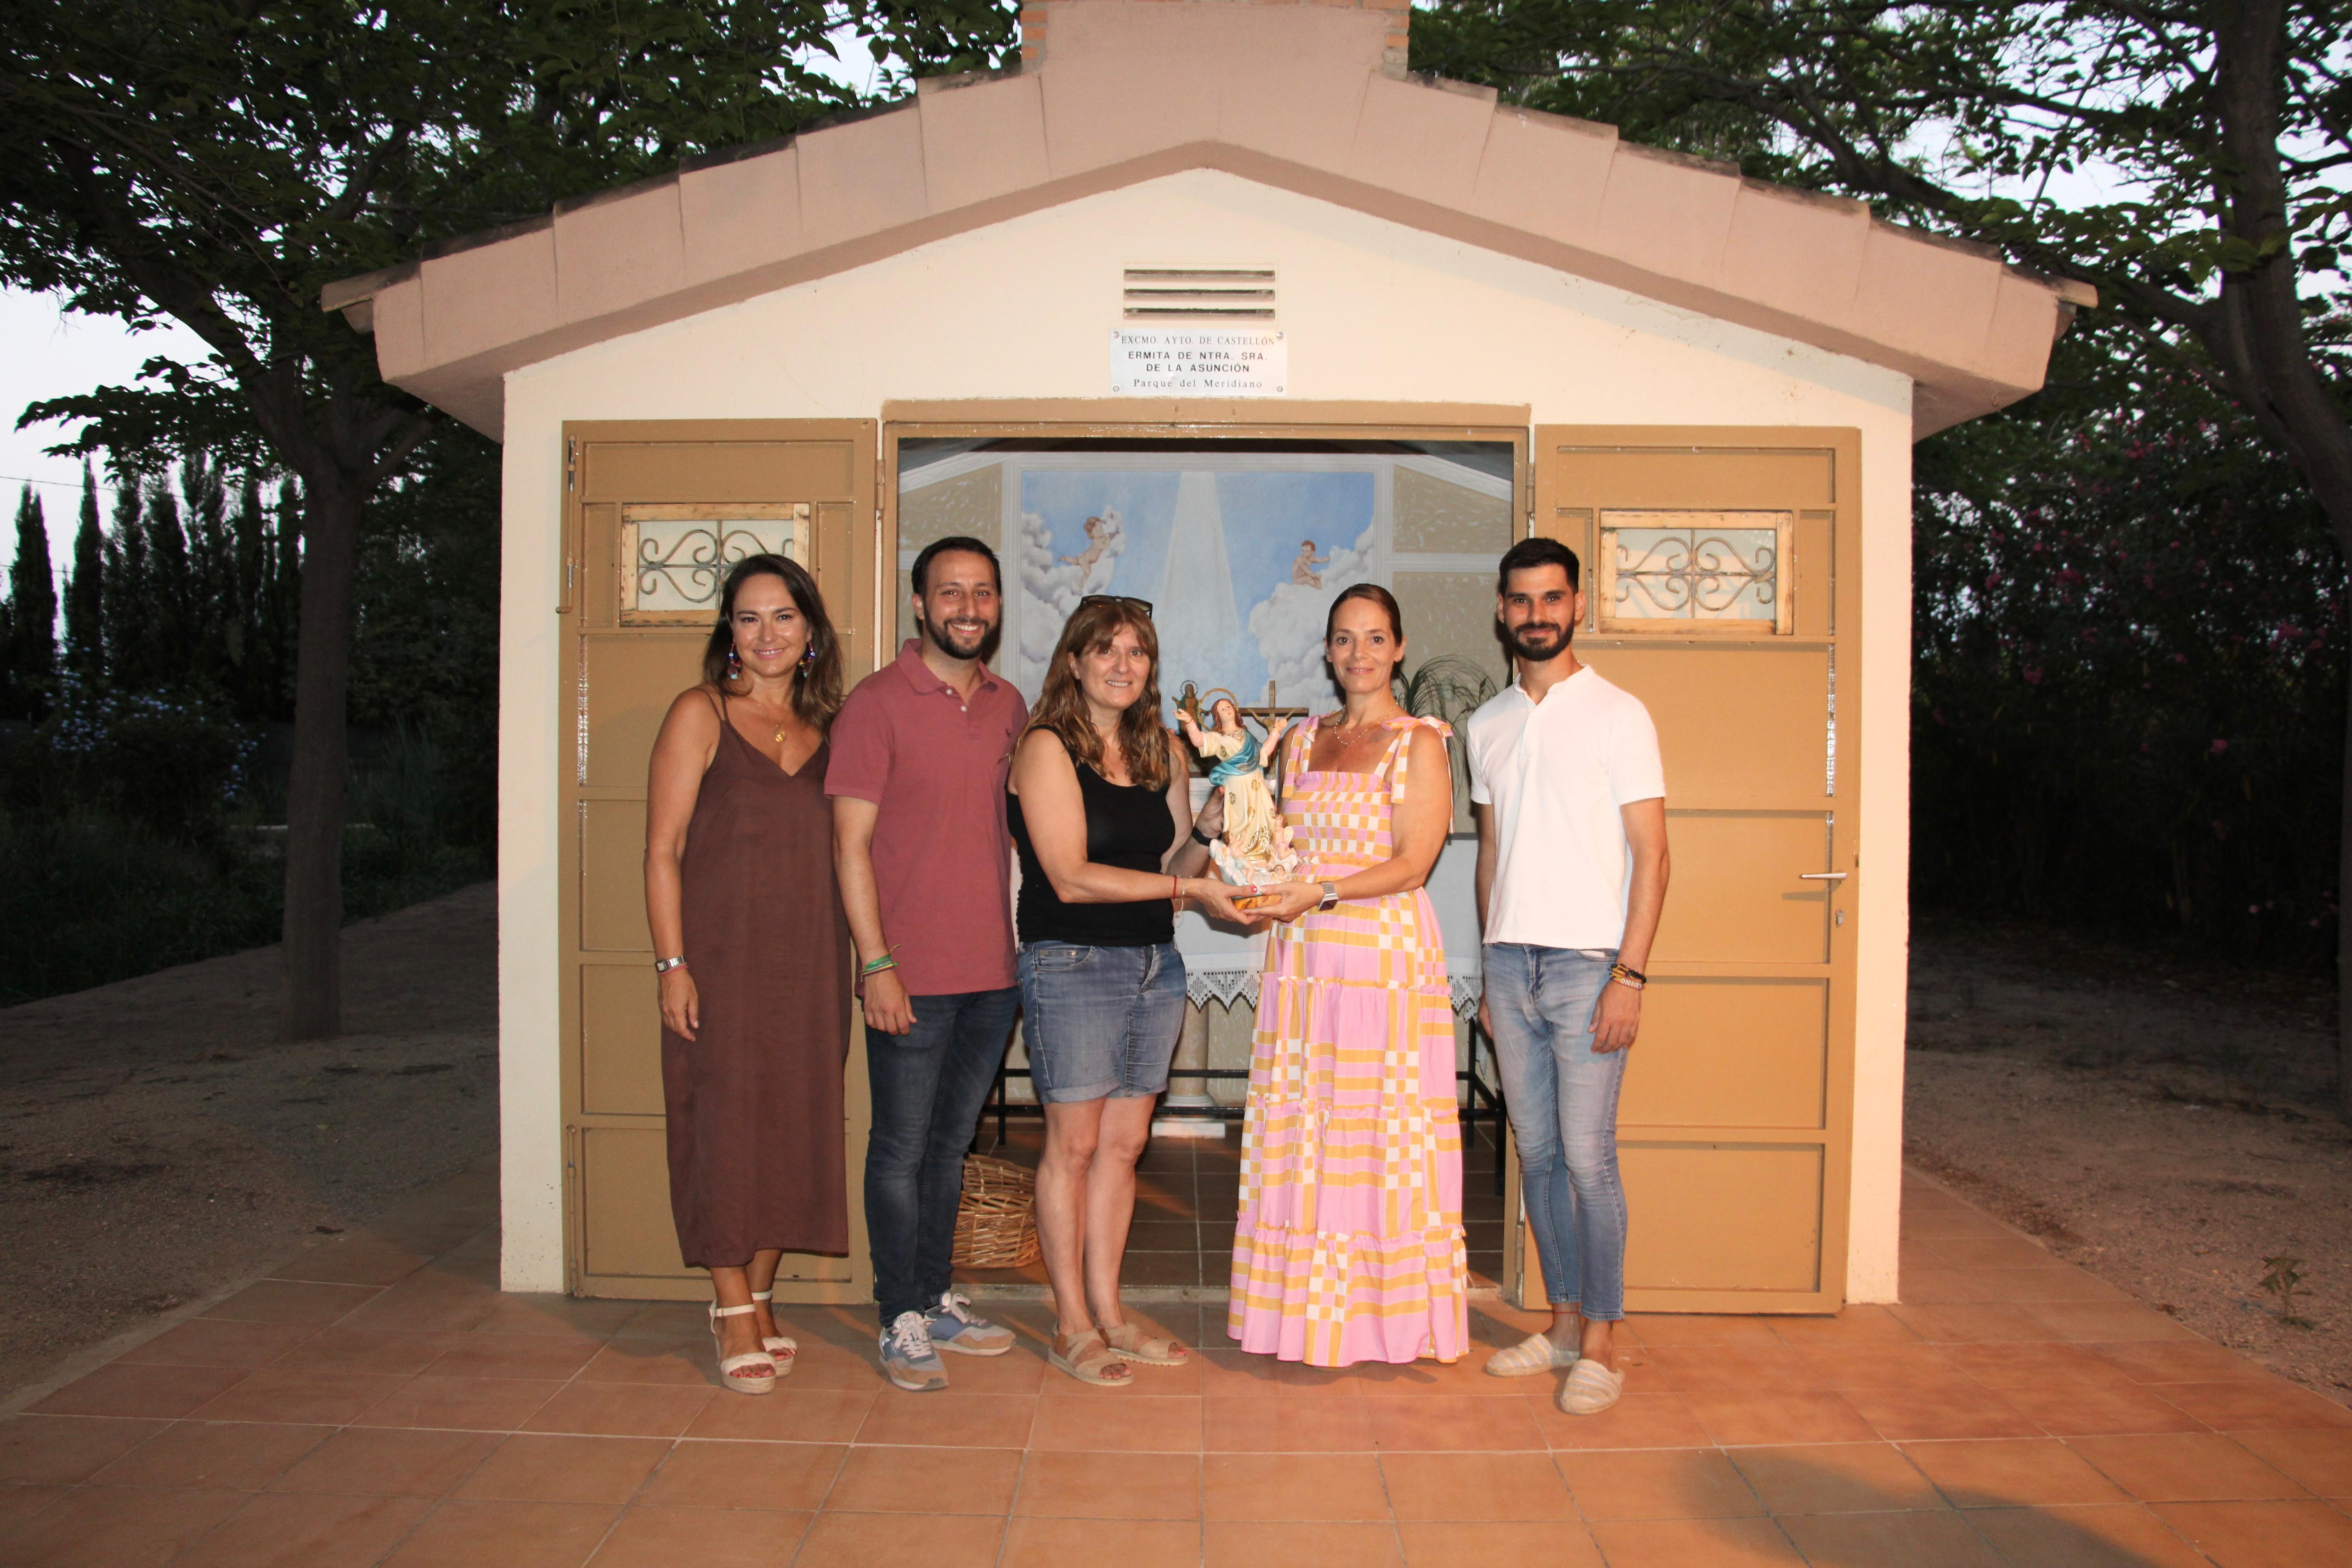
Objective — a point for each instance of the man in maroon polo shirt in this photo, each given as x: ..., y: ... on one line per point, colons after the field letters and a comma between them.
x: 919, y: 756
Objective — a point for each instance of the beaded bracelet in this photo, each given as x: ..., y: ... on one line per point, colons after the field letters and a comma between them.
x: 1627, y: 977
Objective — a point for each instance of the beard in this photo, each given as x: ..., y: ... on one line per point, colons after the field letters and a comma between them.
x: 955, y: 646
x: 1538, y: 641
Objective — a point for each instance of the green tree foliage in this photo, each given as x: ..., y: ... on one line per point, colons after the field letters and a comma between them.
x: 2189, y: 161
x: 220, y: 160
x: 189, y: 594
x: 28, y: 618
x: 2130, y: 627
x: 2217, y: 138
x: 167, y: 756
x: 425, y: 656
x: 85, y: 649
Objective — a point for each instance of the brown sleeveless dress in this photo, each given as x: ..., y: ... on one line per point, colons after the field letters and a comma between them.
x: 755, y: 1100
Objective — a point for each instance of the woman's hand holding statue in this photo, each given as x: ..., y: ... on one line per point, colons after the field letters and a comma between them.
x: 1216, y: 900
x: 1291, y: 900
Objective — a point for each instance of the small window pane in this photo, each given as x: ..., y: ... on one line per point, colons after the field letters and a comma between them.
x: 674, y: 560
x: 1692, y: 571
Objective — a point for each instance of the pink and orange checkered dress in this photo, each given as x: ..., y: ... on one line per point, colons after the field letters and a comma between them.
x: 1349, y: 1246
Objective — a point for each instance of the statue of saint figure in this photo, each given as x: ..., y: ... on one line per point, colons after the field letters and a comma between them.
x: 1254, y: 850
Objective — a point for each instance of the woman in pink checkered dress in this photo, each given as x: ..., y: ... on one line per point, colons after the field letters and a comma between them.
x: 1349, y: 1244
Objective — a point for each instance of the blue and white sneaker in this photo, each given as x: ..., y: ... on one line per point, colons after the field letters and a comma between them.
x: 908, y: 1359
x: 953, y: 1325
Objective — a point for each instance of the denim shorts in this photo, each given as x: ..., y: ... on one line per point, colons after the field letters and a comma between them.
x: 1101, y: 1022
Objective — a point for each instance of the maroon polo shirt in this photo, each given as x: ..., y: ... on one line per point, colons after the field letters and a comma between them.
x: 943, y: 859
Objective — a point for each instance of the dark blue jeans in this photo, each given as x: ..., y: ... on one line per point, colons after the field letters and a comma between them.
x: 928, y: 1086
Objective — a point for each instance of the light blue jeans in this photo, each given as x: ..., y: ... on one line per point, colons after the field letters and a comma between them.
x: 1562, y: 1098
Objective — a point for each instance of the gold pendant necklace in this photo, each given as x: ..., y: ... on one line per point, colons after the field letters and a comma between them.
x: 1348, y: 733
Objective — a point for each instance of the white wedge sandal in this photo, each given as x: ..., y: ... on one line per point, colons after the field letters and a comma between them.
x: 786, y: 1349
x: 735, y: 1369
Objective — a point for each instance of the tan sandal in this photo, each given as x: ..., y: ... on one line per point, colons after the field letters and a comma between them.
x: 1089, y: 1360
x: 1133, y: 1344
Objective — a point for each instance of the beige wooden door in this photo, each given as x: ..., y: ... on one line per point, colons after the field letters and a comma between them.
x: 647, y: 509
x: 1721, y: 577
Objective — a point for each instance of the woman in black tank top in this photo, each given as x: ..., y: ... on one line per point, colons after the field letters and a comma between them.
x: 1099, y: 807
x: 1127, y: 826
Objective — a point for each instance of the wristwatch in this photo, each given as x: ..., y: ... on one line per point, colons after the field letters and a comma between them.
x: 1330, y: 895
x: 663, y: 966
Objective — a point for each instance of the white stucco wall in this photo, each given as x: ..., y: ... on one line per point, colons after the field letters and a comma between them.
x: 1373, y: 310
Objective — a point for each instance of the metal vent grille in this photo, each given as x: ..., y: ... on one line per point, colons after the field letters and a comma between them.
x: 1193, y: 293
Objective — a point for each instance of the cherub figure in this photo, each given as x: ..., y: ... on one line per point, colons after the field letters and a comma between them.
x: 1256, y: 847
x: 1085, y: 561
x: 1302, y: 570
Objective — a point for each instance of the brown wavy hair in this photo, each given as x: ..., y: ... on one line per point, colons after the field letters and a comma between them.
x: 816, y: 694
x: 1062, y: 705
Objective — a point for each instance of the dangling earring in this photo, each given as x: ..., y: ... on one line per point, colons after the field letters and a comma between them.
x: 734, y: 664
x: 808, y: 659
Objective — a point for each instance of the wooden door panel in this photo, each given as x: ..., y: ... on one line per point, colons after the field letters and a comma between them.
x: 631, y: 679
x: 1729, y: 1053
x: 1717, y: 1217
x: 1738, y: 893
x: 1734, y: 1119
x: 613, y: 877
x: 721, y: 471
x: 815, y: 481
x: 624, y: 1198
x: 1816, y: 577
x: 620, y: 1040
x: 1737, y: 726
x: 1680, y: 473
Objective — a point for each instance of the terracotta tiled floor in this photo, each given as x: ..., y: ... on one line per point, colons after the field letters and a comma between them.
x: 380, y: 1402
x: 1185, y: 1193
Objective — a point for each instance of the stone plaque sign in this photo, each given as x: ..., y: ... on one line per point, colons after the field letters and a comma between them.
x: 1199, y: 362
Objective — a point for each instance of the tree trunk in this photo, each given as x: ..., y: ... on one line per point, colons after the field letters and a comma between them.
x: 2264, y: 355
x: 2343, y: 915
x: 317, y: 789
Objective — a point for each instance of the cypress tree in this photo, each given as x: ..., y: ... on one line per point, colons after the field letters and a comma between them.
x: 212, y: 596
x: 32, y: 644
x: 174, y: 589
x: 14, y: 704
x: 85, y: 589
x: 130, y: 604
x: 248, y: 551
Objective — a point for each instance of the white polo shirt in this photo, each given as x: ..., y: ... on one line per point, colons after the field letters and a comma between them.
x: 1557, y: 772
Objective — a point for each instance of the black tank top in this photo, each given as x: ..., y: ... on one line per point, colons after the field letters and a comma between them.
x: 1127, y: 826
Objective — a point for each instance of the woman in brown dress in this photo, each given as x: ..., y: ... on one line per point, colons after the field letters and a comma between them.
x: 753, y: 957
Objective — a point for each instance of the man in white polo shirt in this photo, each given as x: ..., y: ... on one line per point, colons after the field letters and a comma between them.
x: 1570, y: 799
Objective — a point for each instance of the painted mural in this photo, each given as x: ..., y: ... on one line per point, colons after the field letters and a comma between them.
x: 1239, y: 567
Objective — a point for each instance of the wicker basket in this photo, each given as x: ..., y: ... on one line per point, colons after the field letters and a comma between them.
x: 996, y: 1222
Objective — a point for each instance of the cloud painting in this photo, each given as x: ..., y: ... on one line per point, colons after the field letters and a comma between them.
x: 1239, y: 567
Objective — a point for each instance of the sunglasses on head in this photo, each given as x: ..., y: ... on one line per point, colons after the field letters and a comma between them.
x: 1143, y: 605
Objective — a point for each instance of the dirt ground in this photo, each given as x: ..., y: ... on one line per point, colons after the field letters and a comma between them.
x: 2167, y: 1125
x: 157, y: 1142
